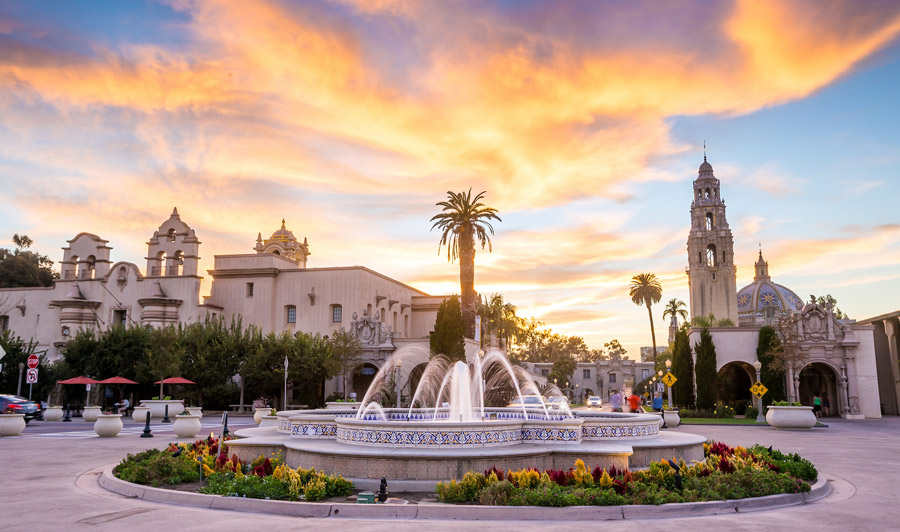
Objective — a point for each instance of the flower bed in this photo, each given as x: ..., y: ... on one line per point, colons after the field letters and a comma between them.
x: 726, y: 473
x: 205, y: 462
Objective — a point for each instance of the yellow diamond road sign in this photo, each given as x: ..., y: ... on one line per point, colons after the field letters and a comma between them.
x: 758, y: 389
x: 669, y: 379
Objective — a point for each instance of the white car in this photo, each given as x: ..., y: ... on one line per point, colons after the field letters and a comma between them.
x: 530, y: 401
x: 557, y: 402
x: 594, y: 401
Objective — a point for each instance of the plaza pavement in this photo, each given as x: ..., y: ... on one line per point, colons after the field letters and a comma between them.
x: 43, y: 486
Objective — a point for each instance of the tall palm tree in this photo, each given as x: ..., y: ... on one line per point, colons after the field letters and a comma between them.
x: 646, y: 290
x: 463, y: 219
x: 675, y: 308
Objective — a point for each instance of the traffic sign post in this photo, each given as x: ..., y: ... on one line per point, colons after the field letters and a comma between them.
x: 669, y: 379
x: 758, y: 389
x: 33, y: 361
x: 31, y: 376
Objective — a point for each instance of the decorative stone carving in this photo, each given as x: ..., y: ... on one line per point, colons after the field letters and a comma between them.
x: 371, y: 332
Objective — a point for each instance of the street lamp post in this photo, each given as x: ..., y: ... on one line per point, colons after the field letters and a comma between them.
x: 669, y: 368
x: 397, y: 379
x: 19, y: 387
x: 759, y: 410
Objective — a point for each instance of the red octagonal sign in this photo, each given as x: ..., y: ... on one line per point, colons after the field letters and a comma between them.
x: 33, y: 361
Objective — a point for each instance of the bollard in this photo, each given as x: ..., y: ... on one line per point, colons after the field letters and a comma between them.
x: 146, y: 433
x: 225, y: 426
x: 67, y: 418
x: 166, y: 417
x: 382, y: 491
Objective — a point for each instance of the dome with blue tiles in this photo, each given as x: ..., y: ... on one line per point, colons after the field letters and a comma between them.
x: 757, y: 298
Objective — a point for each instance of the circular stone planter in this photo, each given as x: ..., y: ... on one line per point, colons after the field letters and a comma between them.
x: 268, y: 421
x: 791, y: 417
x: 194, y: 411
x: 139, y: 414
x: 158, y: 407
x: 53, y: 413
x: 186, y: 425
x: 108, y: 425
x: 12, y: 424
x: 672, y: 418
x: 91, y: 413
x: 259, y: 413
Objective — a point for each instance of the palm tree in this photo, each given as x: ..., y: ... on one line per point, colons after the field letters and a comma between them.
x: 675, y: 308
x: 463, y: 219
x: 646, y: 290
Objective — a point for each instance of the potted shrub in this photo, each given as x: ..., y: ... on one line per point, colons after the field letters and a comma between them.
x: 790, y: 416
x: 12, y: 424
x: 186, y: 425
x: 258, y: 414
x: 270, y: 419
x: 139, y: 414
x: 108, y: 425
x: 53, y: 413
x: 672, y: 417
x: 91, y: 413
x: 158, y: 406
x: 194, y: 411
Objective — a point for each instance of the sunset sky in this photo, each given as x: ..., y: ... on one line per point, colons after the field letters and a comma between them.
x: 584, y: 121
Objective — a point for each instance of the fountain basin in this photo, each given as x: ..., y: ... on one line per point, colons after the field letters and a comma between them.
x: 428, y: 433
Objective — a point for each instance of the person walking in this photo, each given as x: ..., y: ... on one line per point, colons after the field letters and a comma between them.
x: 634, y: 402
x: 657, y: 402
x: 817, y: 405
x: 826, y: 406
x: 616, y: 400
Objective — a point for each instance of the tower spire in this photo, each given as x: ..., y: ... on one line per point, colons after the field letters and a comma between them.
x: 704, y: 150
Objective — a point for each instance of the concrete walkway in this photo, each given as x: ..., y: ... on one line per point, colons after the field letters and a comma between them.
x: 44, y: 488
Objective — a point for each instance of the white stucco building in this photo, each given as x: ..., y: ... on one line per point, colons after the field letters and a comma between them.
x: 839, y: 355
x: 272, y: 288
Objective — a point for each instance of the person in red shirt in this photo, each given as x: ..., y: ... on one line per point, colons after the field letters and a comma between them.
x: 634, y: 402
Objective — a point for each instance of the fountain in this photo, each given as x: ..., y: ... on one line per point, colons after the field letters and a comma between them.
x: 456, y: 422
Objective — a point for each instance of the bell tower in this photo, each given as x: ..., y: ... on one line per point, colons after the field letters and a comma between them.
x: 712, y: 276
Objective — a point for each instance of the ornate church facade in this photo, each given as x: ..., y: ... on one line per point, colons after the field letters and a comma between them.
x: 833, y: 358
x: 271, y: 288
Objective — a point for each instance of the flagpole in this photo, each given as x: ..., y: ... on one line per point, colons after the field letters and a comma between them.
x: 285, y: 381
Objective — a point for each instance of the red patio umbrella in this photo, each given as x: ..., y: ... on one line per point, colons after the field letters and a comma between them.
x: 118, y: 380
x: 81, y: 380
x: 172, y: 380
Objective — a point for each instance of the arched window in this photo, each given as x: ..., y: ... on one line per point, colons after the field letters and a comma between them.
x: 707, y: 193
x: 710, y: 224
x: 711, y: 258
x: 170, y: 235
x: 277, y: 252
x: 177, y: 262
x: 71, y: 270
x: 369, y: 310
x: 715, y: 192
x: 160, y: 268
x: 87, y: 268
x: 770, y: 312
x: 406, y: 326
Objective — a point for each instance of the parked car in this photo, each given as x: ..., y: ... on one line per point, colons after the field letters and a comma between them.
x: 15, y: 404
x: 557, y: 402
x: 529, y: 401
x: 594, y: 401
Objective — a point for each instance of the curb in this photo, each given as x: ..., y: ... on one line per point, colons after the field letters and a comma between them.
x: 821, y: 489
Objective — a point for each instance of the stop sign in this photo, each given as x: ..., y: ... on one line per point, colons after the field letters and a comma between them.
x: 33, y: 361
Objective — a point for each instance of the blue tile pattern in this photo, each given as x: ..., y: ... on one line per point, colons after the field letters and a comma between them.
x: 314, y: 430
x: 616, y: 432
x: 544, y: 435
x: 429, y: 438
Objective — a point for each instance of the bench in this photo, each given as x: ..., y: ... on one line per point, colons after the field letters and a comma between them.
x: 240, y: 409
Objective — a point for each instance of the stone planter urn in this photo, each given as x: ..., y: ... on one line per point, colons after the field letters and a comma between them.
x: 672, y: 418
x: 258, y: 414
x: 791, y: 417
x: 12, y: 424
x: 661, y: 420
x: 91, y: 413
x: 268, y: 421
x: 53, y: 413
x: 158, y: 407
x: 194, y: 411
x: 108, y: 425
x: 139, y: 414
x: 186, y: 425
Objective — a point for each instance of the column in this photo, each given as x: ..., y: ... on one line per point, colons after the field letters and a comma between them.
x: 891, y: 331
x: 852, y: 385
x: 842, y: 390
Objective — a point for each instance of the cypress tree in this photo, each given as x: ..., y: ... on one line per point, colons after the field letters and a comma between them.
x: 706, y: 371
x: 449, y: 330
x: 683, y: 369
x: 773, y: 379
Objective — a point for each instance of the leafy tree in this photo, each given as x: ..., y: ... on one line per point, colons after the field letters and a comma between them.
x: 614, y: 349
x: 646, y: 290
x: 213, y: 353
x: 771, y: 378
x: 706, y: 371
x: 675, y: 308
x: 346, y: 355
x: 786, y: 354
x: 683, y: 369
x: 165, y: 354
x: 448, y: 337
x: 499, y: 317
x: 309, y: 366
x: 22, y: 267
x: 463, y: 220
x: 562, y: 371
x: 827, y: 300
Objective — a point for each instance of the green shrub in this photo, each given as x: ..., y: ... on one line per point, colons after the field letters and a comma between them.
x: 463, y: 491
x: 723, y: 411
x: 497, y: 494
x: 792, y: 464
x: 751, y: 413
x: 155, y: 467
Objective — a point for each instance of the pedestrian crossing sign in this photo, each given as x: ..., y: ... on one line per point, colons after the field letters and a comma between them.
x: 669, y: 379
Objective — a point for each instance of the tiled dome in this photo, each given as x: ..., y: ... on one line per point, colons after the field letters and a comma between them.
x: 283, y: 234
x: 762, y: 294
